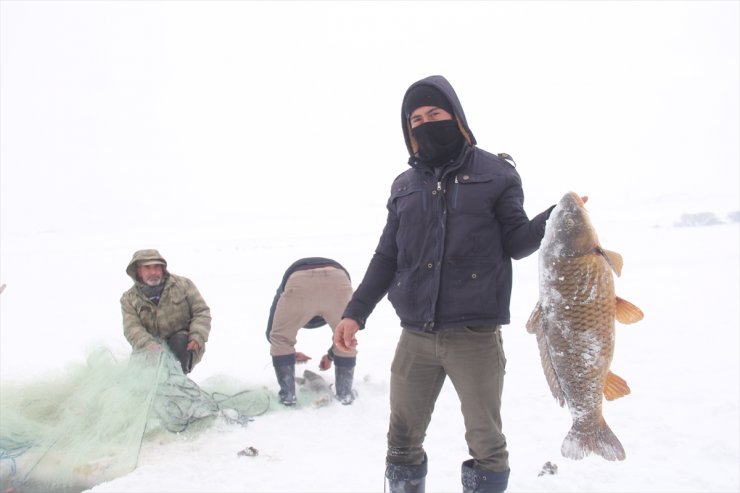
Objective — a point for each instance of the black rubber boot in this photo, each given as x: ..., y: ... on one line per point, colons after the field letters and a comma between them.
x: 178, y: 344
x: 344, y: 372
x: 480, y: 481
x: 404, y: 478
x: 285, y: 373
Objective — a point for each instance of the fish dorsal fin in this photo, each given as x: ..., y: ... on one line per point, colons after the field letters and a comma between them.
x: 627, y: 313
x: 615, y: 387
x: 613, y: 259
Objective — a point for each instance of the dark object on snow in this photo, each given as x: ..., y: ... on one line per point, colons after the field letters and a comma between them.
x: 319, y: 388
x: 285, y: 372
x: 548, y: 468
x: 248, y: 452
x: 698, y: 219
x: 480, y: 481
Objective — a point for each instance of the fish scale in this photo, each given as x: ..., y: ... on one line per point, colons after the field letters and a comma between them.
x: 590, y: 320
x: 574, y: 325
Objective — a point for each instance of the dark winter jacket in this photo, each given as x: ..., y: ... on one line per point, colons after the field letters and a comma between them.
x: 444, y: 257
x: 302, y: 264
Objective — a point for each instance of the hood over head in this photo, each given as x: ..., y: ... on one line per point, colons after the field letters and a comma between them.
x: 411, y: 98
x: 144, y: 257
x: 426, y: 95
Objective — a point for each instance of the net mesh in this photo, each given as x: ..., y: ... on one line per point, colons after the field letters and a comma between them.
x: 68, y: 433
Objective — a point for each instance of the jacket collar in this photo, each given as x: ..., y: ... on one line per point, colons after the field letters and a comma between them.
x: 453, y: 165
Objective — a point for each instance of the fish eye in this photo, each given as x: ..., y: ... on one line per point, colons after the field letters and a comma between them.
x: 569, y: 223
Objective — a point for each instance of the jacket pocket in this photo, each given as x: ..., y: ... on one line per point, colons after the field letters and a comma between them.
x: 174, y: 313
x: 146, y: 313
x: 409, y: 198
x: 402, y: 295
x: 178, y: 296
x: 466, y: 186
x: 469, y: 289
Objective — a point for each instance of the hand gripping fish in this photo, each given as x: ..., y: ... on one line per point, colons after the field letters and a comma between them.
x: 574, y: 325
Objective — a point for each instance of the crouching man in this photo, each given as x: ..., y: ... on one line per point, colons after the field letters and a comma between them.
x: 163, y: 308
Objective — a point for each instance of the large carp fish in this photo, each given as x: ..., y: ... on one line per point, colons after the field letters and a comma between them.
x: 574, y: 325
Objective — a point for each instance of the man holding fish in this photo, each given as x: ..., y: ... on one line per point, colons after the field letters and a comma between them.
x: 455, y: 221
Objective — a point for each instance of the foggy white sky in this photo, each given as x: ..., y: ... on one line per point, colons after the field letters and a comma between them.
x: 128, y: 114
x: 151, y: 124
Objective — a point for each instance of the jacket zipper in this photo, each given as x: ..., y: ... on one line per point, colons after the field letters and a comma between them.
x: 442, y: 206
x: 455, y: 193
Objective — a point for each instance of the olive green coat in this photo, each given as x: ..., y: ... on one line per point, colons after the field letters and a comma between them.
x: 181, y: 307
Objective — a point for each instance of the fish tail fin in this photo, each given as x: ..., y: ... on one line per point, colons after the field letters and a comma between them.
x: 601, y: 441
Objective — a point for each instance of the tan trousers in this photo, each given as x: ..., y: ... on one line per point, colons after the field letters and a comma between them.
x: 324, y: 291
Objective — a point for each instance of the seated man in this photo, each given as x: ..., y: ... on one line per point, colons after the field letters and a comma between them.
x: 314, y: 291
x: 162, y: 307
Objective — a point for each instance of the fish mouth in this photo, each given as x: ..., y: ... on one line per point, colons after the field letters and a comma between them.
x: 578, y: 200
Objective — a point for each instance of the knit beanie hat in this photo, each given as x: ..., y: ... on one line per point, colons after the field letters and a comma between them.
x: 425, y: 95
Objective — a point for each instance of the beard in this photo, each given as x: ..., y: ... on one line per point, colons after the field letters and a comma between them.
x: 152, y: 280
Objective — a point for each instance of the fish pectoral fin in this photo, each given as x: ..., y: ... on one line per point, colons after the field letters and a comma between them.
x: 534, y: 323
x: 614, y: 260
x: 615, y: 387
x: 627, y: 313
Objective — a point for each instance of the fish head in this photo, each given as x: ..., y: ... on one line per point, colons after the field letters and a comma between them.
x: 569, y: 228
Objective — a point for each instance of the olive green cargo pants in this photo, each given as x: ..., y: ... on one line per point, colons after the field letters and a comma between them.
x: 475, y: 362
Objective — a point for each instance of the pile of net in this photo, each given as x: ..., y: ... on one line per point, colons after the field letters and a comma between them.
x: 71, y: 432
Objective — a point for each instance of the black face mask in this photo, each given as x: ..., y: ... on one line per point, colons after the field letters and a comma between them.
x: 439, y: 142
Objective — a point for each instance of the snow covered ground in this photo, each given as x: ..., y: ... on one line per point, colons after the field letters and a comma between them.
x: 679, y: 426
x: 236, y: 137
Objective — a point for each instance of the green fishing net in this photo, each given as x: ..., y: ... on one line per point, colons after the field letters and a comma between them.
x: 86, y: 426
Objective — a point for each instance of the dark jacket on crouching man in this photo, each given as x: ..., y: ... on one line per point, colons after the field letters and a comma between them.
x: 171, y: 312
x: 455, y: 221
x: 313, y: 293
